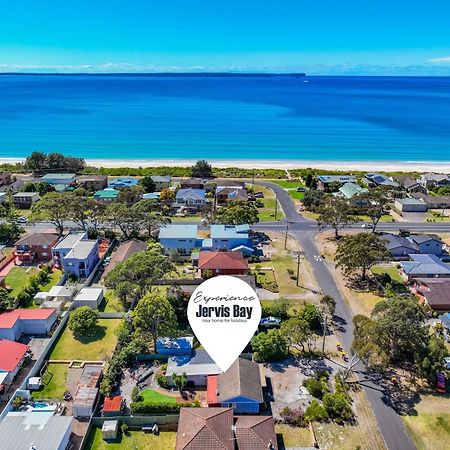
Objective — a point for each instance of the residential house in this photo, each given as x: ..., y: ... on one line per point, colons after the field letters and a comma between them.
x: 152, y: 196
x: 350, y: 190
x: 425, y: 266
x: 239, y: 387
x: 410, y: 204
x: 26, y: 321
x: 123, y: 252
x: 60, y: 181
x: 435, y: 201
x: 231, y: 183
x: 427, y: 243
x: 226, y: 194
x: 175, y: 346
x: 120, y: 183
x: 435, y: 292
x: 190, y: 200
x: 25, y: 200
x: 192, y: 183
x: 107, y: 195
x: 431, y: 180
x: 378, y: 179
x: 12, y: 357
x: 197, y: 367
x: 217, y: 429
x: 222, y: 263
x: 32, y: 429
x: 77, y: 255
x: 179, y: 238
x: 35, y: 247
x: 5, y: 178
x: 3, y: 197
x: 58, y: 178
x: 88, y: 296
x: 161, y: 182
x: 410, y: 184
x: 93, y: 182
x: 229, y: 237
x: 399, y: 246
x: 324, y: 181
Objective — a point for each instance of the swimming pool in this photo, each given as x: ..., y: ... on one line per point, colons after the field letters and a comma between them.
x: 42, y: 407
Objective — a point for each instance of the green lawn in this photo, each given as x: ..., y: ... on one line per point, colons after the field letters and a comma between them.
x: 293, y: 437
x: 54, y: 278
x: 195, y: 218
x: 97, y: 347
x: 391, y: 270
x: 429, y: 430
x: 110, y: 302
x: 136, y: 440
x: 18, y: 278
x: 385, y: 218
x: 149, y: 395
x: 288, y: 184
x: 267, y: 213
x: 54, y: 382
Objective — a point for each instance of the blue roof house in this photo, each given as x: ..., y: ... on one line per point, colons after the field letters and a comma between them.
x: 119, y: 183
x: 191, y: 199
x: 175, y: 346
x: 425, y: 266
x: 180, y: 238
x: 230, y: 237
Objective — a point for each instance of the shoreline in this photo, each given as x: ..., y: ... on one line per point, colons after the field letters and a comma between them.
x: 384, y: 166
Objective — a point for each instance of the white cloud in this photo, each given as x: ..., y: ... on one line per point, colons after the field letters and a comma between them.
x: 443, y: 59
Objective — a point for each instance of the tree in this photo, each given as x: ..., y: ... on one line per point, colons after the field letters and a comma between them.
x: 130, y: 195
x: 154, y: 315
x: 44, y: 188
x: 270, y: 346
x: 315, y: 412
x: 78, y: 210
x: 136, y: 276
x: 83, y: 321
x: 6, y: 300
x: 148, y: 184
x: 400, y: 328
x: 298, y: 333
x: 236, y: 213
x: 311, y: 314
x: 36, y: 162
x: 167, y: 195
x: 122, y: 216
x: 360, y: 252
x: 29, y: 187
x: 10, y: 233
x: 375, y: 204
x: 180, y: 381
x: 313, y: 199
x: 151, y: 214
x: 338, y: 407
x: 54, y: 208
x: 327, y: 305
x: 433, y: 359
x: 336, y: 212
x: 201, y: 169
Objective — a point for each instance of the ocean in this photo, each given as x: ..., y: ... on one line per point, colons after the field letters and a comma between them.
x: 184, y: 117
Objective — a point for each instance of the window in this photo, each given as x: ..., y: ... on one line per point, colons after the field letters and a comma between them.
x: 45, y: 254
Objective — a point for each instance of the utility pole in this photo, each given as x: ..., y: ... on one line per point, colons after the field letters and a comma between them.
x: 298, y: 267
x: 276, y: 205
x: 286, y: 236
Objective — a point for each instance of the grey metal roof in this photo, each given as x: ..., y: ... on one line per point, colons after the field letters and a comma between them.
x: 393, y: 241
x: 425, y: 265
x: 20, y: 429
x: 81, y: 250
x: 199, y: 364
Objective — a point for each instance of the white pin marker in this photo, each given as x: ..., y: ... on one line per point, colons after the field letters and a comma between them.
x: 224, y: 313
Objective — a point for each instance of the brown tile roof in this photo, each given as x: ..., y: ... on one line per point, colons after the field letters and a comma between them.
x: 241, y: 379
x: 38, y: 239
x: 205, y: 429
x: 124, y: 251
x: 221, y: 260
x: 436, y: 292
x: 255, y: 433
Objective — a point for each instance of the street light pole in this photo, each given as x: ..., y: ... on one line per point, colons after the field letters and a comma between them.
x: 298, y: 267
x: 286, y: 236
x: 276, y: 205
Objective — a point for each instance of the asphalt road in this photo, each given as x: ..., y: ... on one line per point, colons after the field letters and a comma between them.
x: 392, y: 429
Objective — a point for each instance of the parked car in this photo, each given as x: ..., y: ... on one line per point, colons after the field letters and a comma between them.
x: 22, y: 220
x: 301, y: 189
x: 258, y: 194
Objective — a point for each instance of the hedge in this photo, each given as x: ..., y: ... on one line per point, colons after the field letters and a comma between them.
x: 158, y: 408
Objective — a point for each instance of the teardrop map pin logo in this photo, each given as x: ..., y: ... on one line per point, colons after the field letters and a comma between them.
x: 224, y: 313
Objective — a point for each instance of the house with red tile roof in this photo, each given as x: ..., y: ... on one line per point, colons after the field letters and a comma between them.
x: 35, y: 247
x: 26, y: 321
x: 12, y: 356
x: 217, y: 429
x: 222, y: 263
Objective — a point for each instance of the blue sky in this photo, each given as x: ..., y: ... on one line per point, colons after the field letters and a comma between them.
x: 315, y: 36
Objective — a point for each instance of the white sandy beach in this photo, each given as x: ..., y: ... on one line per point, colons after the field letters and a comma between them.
x: 387, y: 166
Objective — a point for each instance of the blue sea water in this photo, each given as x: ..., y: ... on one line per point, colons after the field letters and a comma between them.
x: 226, y: 117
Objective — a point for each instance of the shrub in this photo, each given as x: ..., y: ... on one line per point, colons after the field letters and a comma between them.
x: 316, y: 387
x: 338, y: 407
x: 83, y: 320
x: 136, y: 395
x: 124, y: 429
x: 293, y: 417
x: 315, y: 412
x: 157, y: 408
x: 162, y: 380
